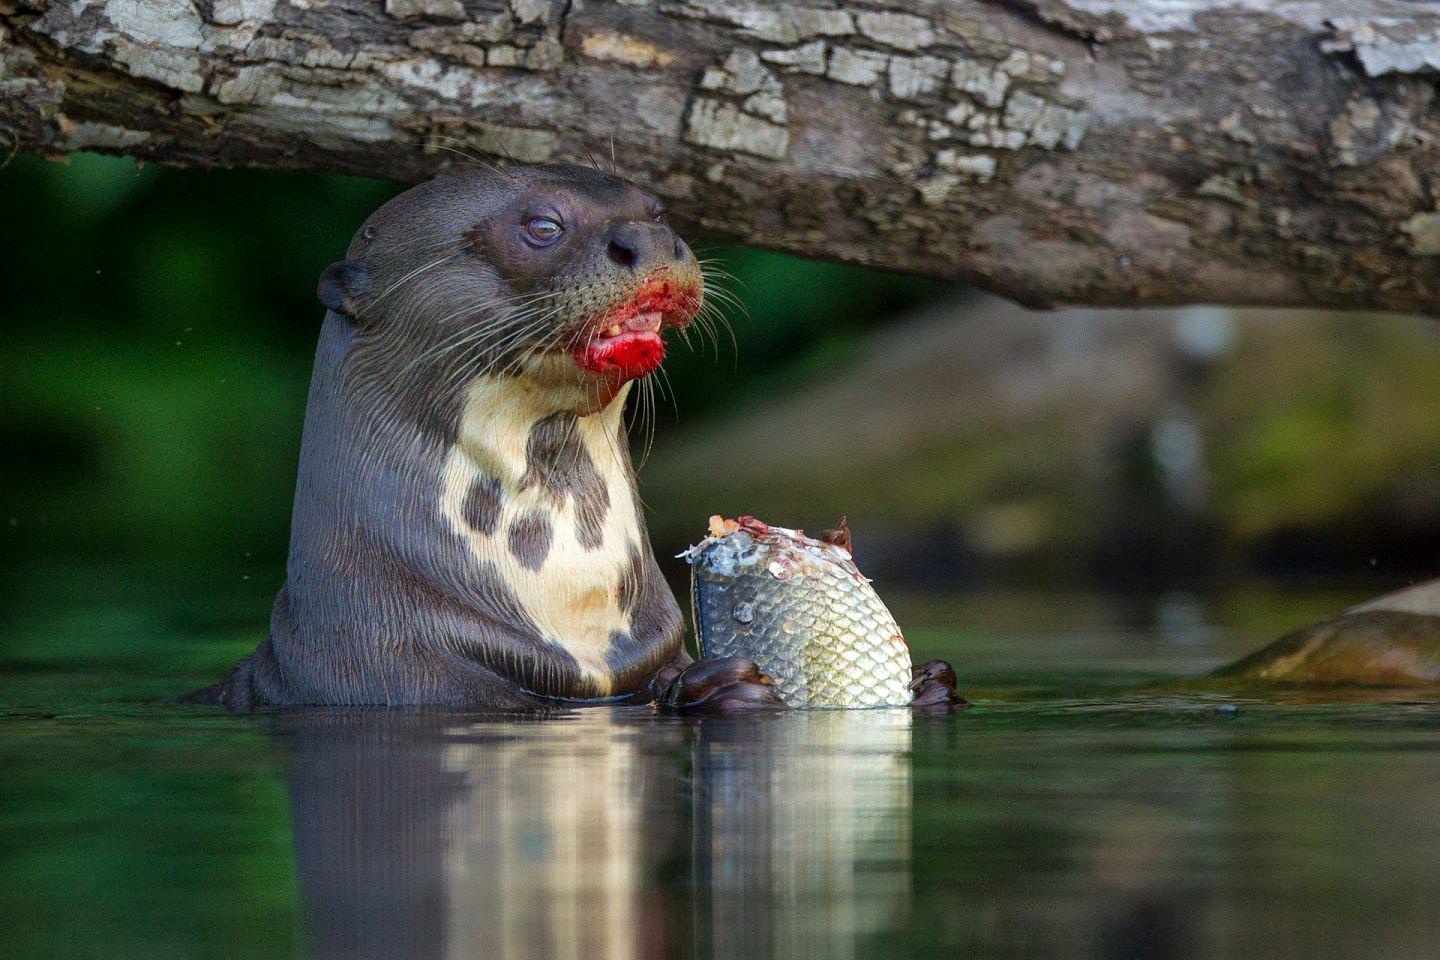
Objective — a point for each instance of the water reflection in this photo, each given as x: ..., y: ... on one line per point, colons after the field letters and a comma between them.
x: 801, y: 840
x: 600, y: 834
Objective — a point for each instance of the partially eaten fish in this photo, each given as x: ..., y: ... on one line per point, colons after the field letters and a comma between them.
x: 799, y: 608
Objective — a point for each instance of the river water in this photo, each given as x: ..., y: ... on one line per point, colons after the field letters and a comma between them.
x: 1091, y: 804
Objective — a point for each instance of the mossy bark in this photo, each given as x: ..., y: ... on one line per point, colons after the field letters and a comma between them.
x: 1092, y: 151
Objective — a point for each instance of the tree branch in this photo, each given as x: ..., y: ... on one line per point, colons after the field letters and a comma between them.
x: 1096, y: 151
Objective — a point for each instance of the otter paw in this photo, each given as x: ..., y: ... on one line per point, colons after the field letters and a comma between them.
x: 934, y: 686
x: 655, y: 690
x: 724, y: 685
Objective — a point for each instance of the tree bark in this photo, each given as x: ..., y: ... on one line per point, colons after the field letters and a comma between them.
x: 1092, y: 151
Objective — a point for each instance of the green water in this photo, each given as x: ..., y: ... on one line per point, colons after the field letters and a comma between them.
x: 1086, y: 806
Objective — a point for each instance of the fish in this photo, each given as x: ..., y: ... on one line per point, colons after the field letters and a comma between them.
x: 800, y: 608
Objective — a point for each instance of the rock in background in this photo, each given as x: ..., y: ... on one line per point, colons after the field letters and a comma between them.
x: 977, y: 436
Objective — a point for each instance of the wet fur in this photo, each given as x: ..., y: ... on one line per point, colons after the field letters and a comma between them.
x: 462, y: 539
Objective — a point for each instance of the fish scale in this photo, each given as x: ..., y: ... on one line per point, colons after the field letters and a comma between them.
x: 802, y: 611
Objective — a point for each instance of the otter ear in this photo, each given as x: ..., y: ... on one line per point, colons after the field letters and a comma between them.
x: 342, y: 287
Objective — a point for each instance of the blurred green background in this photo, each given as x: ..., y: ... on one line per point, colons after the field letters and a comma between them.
x: 159, y: 326
x: 1003, y: 471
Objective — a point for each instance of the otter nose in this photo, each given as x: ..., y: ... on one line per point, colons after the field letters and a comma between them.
x: 636, y: 245
x: 624, y: 245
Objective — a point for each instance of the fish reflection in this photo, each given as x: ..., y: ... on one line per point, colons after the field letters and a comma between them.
x: 599, y: 834
x: 801, y: 843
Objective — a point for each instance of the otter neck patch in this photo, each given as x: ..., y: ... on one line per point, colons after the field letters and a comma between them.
x: 559, y: 466
x: 529, y: 539
x: 543, y: 499
x: 482, y: 506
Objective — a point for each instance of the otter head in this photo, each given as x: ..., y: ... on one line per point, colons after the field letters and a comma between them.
x: 561, y: 276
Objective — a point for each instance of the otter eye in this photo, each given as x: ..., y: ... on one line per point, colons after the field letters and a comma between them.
x: 657, y: 213
x: 543, y: 230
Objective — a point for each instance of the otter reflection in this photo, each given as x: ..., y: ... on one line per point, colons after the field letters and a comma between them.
x: 599, y: 834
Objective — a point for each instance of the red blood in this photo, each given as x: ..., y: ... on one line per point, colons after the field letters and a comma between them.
x: 626, y: 357
x: 636, y: 353
x: 749, y: 523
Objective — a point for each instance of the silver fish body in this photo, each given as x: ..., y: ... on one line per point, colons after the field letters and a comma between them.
x: 802, y: 611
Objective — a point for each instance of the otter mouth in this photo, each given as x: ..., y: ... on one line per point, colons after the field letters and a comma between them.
x: 625, y: 341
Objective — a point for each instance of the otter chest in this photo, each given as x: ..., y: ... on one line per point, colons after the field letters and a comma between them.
x: 547, y: 503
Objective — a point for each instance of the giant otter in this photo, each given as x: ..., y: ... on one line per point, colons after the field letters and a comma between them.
x: 466, y: 528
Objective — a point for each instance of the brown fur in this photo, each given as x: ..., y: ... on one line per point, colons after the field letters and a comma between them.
x: 449, y: 461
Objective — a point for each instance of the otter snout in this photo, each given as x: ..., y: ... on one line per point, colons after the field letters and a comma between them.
x: 634, y: 278
x: 641, y: 247
x: 654, y: 283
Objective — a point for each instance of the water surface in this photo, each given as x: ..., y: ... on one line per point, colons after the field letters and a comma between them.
x: 1087, y: 806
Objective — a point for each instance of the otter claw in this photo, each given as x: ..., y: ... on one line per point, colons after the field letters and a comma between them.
x: 934, y: 685
x: 723, y: 685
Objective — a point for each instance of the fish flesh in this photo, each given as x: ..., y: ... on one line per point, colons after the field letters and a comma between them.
x: 799, y: 608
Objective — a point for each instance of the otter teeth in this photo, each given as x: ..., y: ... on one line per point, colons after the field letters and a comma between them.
x: 649, y: 322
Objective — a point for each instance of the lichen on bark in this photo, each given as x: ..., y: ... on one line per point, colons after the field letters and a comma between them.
x: 1052, y: 150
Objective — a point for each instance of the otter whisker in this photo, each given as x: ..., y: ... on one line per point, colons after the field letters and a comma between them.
x: 714, y: 269
x: 491, y: 353
x: 481, y: 355
x: 708, y: 330
x: 514, y: 364
x: 543, y: 319
x: 469, y: 335
x: 716, y: 293
x: 486, y: 353
x: 647, y: 405
x: 717, y: 307
x: 590, y: 160
x: 519, y: 302
x: 716, y: 290
x: 714, y: 266
x: 481, y: 330
x: 651, y: 418
x: 472, y: 334
x: 669, y: 391
x: 482, y: 162
x: 380, y: 298
x: 717, y: 297
x: 712, y: 317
